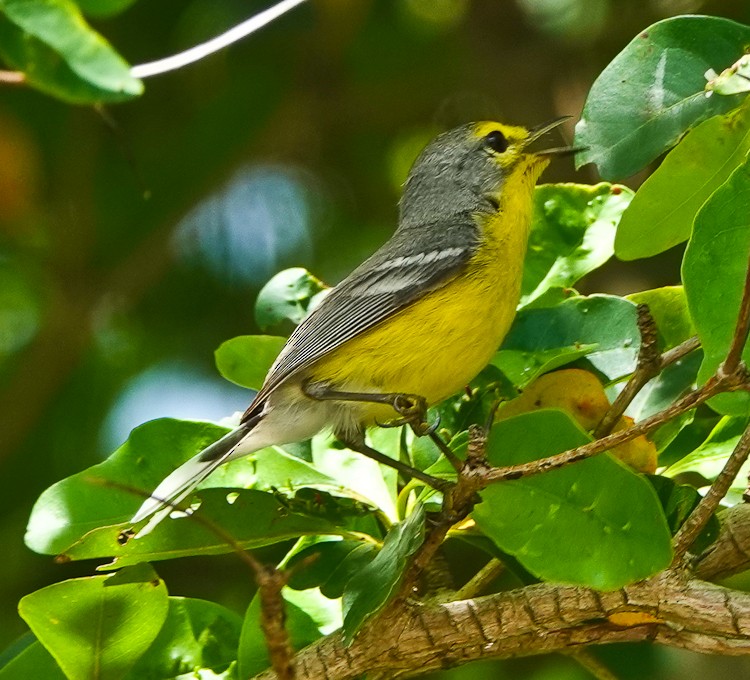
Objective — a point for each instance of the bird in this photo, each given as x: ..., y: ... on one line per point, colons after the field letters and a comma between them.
x: 411, y: 325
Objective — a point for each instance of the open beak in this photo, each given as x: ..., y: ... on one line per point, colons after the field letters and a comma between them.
x: 543, y: 129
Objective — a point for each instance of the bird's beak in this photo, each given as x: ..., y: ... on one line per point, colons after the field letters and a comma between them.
x: 540, y: 130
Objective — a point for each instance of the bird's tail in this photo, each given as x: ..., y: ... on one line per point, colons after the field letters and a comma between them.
x: 176, y: 486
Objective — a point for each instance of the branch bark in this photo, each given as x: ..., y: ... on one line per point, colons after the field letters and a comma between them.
x: 668, y: 608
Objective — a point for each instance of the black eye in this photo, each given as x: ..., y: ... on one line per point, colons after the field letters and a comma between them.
x: 496, y: 141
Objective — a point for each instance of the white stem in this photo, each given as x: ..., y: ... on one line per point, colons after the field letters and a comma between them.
x: 215, y: 44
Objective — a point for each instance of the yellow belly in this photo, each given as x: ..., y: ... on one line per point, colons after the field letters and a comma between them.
x: 438, y: 344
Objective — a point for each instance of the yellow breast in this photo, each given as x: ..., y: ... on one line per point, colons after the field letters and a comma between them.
x: 439, y: 343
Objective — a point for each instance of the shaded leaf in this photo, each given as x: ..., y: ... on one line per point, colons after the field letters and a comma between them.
x: 370, y: 589
x: 197, y: 635
x: 332, y: 564
x: 572, y: 234
x: 288, y: 296
x: 678, y: 501
x: 246, y: 359
x: 594, y: 523
x: 606, y: 321
x: 653, y: 91
x: 714, y: 271
x: 50, y: 41
x: 32, y: 661
x: 662, y: 213
x: 97, y: 627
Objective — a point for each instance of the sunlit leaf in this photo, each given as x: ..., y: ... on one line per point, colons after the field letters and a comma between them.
x: 669, y: 309
x: 661, y: 214
x: 50, y: 41
x: 653, y: 91
x: 109, y: 493
x: 251, y: 518
x: 714, y: 272
x: 709, y: 458
x: 572, y: 234
x: 32, y: 661
x: 369, y: 590
x: 98, y: 627
x: 594, y: 523
x: 103, y: 8
x: 524, y: 366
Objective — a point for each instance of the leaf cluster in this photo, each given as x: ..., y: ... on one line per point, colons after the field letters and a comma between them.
x: 350, y: 527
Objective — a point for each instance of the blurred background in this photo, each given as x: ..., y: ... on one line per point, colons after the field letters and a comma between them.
x: 133, y: 240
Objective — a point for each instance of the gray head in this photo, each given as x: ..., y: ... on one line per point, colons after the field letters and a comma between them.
x: 467, y: 169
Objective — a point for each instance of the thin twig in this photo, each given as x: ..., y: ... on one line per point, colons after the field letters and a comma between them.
x: 481, y: 580
x: 215, y: 44
x: 712, y: 387
x: 694, y: 524
x: 12, y: 78
x: 587, y: 659
x: 734, y: 355
x: 649, y: 365
x: 270, y: 581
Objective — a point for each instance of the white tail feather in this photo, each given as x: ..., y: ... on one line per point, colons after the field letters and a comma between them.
x: 182, y: 481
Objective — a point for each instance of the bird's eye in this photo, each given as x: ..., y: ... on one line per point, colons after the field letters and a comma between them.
x: 496, y: 141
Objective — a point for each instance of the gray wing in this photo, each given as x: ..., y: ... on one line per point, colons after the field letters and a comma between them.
x: 413, y: 262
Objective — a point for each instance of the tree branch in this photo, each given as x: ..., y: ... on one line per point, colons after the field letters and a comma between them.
x: 713, y: 386
x: 702, y: 513
x: 534, y: 620
x: 649, y: 365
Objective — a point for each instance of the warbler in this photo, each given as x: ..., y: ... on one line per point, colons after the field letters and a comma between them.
x: 415, y: 322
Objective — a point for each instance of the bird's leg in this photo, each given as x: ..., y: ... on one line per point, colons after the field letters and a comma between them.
x: 411, y: 407
x: 358, y: 444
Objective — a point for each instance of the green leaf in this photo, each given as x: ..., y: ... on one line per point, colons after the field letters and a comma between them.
x: 309, y: 616
x: 368, y: 480
x: 606, y: 321
x: 246, y: 359
x: 673, y: 382
x: 522, y: 366
x: 33, y: 661
x: 653, y: 91
x: 329, y: 565
x: 714, y: 271
x: 60, y: 54
x: 678, y: 501
x: 572, y: 234
x: 371, y: 588
x: 709, y: 458
x: 288, y: 296
x: 109, y: 493
x: 669, y: 308
x: 99, y: 626
x: 662, y: 213
x: 197, y: 636
x: 595, y: 523
x: 252, y: 518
